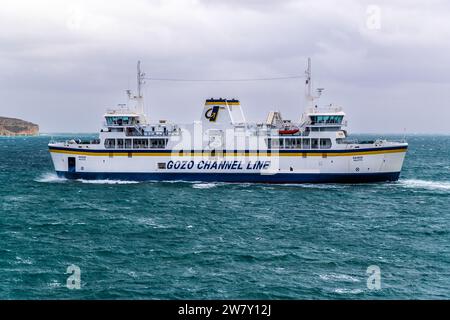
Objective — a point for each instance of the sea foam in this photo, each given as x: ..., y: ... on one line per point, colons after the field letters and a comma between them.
x: 50, y: 177
x: 425, y: 184
x: 107, y: 181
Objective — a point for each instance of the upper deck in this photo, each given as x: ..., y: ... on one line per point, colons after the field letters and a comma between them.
x: 223, y: 126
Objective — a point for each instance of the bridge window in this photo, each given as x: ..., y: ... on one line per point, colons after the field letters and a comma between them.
x: 325, y: 143
x: 120, y: 120
x: 326, y: 119
x: 110, y: 143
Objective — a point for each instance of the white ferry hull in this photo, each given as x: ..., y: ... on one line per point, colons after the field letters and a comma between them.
x: 287, y: 166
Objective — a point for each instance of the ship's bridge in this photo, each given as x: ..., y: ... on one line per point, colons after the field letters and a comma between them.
x: 124, y: 120
x: 329, y: 117
x: 121, y: 120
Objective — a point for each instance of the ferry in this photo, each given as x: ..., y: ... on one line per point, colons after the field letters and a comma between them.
x: 224, y: 147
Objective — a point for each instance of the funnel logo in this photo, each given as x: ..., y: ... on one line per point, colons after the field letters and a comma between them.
x: 212, y: 113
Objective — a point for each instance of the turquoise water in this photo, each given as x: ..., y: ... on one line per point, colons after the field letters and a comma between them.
x: 223, y: 241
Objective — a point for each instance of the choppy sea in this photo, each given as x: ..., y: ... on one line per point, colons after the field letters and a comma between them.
x: 179, y: 240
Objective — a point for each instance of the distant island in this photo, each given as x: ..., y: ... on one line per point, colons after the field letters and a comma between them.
x: 17, y: 127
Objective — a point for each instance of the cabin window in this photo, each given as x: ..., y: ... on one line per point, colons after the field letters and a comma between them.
x: 306, y: 143
x: 158, y: 143
x: 281, y: 143
x: 273, y: 143
x: 119, y: 143
x: 128, y: 143
x: 140, y: 143
x: 325, y: 143
x: 314, y: 143
x: 110, y: 143
x: 293, y: 143
x: 289, y: 143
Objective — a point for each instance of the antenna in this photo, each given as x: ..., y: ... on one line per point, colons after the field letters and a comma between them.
x: 140, y: 79
x: 308, y: 95
x: 139, y: 97
x: 308, y: 81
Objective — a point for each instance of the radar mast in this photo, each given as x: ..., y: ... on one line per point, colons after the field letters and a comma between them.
x: 139, y: 97
x: 308, y: 87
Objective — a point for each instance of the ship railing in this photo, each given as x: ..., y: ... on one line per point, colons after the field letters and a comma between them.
x: 374, y: 142
x: 119, y: 111
x: 81, y: 142
x: 156, y: 133
x: 324, y: 109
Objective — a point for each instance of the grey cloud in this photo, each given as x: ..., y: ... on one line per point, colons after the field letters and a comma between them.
x: 70, y: 60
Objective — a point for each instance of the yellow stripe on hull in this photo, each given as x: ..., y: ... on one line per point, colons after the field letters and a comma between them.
x: 228, y: 154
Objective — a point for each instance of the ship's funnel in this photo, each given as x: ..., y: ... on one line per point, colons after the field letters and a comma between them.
x: 219, y: 112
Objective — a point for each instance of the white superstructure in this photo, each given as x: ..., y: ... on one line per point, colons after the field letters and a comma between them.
x: 223, y: 146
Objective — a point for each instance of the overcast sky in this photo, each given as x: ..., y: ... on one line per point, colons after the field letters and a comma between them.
x: 386, y: 62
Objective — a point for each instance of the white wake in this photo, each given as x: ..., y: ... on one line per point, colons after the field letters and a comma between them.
x: 426, y: 184
x: 204, y: 185
x: 50, y: 177
x: 107, y: 181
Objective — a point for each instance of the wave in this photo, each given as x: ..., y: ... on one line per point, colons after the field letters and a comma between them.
x: 50, y: 177
x: 148, y: 221
x: 426, y: 184
x: 204, y: 185
x: 107, y: 181
x: 338, y: 277
x: 348, y: 291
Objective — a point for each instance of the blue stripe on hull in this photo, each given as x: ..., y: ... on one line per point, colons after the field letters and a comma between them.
x: 237, y: 177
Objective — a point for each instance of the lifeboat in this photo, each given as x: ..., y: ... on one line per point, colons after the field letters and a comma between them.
x: 288, y: 131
